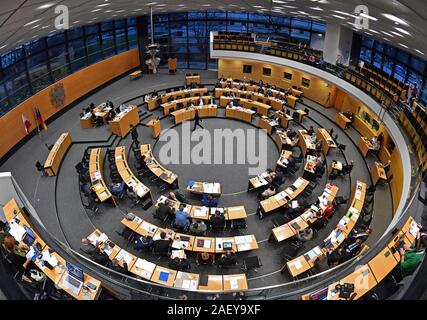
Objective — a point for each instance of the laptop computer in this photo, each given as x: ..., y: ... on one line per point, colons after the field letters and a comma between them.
x: 227, y: 245
x: 29, y: 237
x: 74, y: 278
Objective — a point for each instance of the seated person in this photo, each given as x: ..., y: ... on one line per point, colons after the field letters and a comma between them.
x: 310, y: 131
x: 131, y: 194
x: 328, y: 211
x: 267, y: 193
x: 16, y: 251
x: 336, y: 257
x: 179, y: 264
x: 162, y: 245
x: 198, y: 228
x: 319, y: 223
x: 227, y: 259
x: 305, y: 235
x: 143, y: 243
x: 409, y: 260
x: 91, y: 106
x: 353, y: 247
x: 164, y: 210
x: 87, y: 247
x: 117, y: 188
x: 115, y: 265
x: 205, y: 258
x: 111, y: 115
x: 348, y: 167
x: 277, y: 179
x: 177, y: 196
x: 362, y: 235
x: 217, y: 219
x: 209, y: 201
x: 295, y: 208
x: 182, y: 218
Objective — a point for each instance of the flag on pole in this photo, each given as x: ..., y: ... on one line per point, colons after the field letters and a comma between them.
x: 27, y: 124
x: 39, y: 119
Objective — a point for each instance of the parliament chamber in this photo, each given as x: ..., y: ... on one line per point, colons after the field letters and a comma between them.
x: 239, y: 151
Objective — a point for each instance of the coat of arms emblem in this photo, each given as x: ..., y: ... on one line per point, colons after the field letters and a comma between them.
x: 57, y: 95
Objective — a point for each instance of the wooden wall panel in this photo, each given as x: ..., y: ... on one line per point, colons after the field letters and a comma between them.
x: 75, y: 85
x: 319, y: 91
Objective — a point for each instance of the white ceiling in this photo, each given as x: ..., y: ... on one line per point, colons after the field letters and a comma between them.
x: 15, y: 14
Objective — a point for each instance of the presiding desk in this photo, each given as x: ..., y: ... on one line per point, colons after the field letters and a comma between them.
x: 18, y: 221
x: 156, y: 168
x: 121, y: 123
x: 282, y: 198
x: 96, y: 165
x: 100, y: 111
x: 56, y: 154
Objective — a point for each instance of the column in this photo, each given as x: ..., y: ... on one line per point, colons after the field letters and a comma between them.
x: 143, y: 40
x: 338, y: 42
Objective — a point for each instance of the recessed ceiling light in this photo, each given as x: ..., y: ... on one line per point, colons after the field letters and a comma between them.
x: 403, y: 45
x: 339, y: 17
x: 3, y: 46
x: 368, y: 17
x: 402, y: 31
x: 388, y: 34
x: 31, y: 22
x: 420, y: 52
x: 397, y: 34
x: 96, y: 10
x: 395, y: 19
x: 316, y: 8
x: 289, y: 7
x: 45, y: 6
x: 103, y: 5
x: 36, y: 26
x: 45, y: 27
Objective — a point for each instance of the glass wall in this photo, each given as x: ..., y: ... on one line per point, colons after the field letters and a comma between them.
x: 37, y: 64
x: 186, y: 35
x: 398, y: 63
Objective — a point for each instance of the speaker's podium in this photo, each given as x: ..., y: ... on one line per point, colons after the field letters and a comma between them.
x: 172, y: 64
x: 155, y: 127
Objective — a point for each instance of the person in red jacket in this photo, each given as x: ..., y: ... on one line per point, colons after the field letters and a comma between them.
x: 327, y: 212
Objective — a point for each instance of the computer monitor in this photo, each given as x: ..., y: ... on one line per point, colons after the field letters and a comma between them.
x: 29, y: 237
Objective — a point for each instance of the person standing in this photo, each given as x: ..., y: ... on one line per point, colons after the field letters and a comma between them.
x: 134, y: 135
x: 197, y: 120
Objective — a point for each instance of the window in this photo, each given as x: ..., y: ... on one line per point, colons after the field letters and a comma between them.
x: 377, y: 60
x: 367, y: 42
x: 305, y: 82
x: 287, y: 75
x: 266, y: 72
x: 302, y: 24
x: 366, y: 54
x: 121, y: 41
x: 38, y: 70
x: 77, y: 54
x: 388, y: 65
x: 132, y: 38
x: 93, y: 46
x: 55, y: 39
x: 58, y: 62
x: 108, y: 47
x: 247, y: 68
x: 400, y: 72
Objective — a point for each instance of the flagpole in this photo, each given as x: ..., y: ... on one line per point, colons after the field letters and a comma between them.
x: 38, y: 125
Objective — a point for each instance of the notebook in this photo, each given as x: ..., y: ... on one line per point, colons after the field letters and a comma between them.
x: 164, y: 276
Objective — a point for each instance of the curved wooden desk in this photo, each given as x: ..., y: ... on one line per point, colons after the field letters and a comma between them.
x: 57, y: 153
x: 96, y: 163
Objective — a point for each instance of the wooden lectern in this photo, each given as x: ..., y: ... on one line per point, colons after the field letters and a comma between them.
x: 155, y: 127
x: 172, y: 64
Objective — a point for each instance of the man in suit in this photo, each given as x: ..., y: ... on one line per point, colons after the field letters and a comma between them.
x: 218, y: 219
x: 197, y: 120
x: 164, y: 210
x: 162, y: 245
x: 134, y: 134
